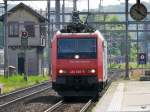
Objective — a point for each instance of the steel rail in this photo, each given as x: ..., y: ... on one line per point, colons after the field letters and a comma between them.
x: 21, y: 90
x: 21, y: 98
x: 86, y: 106
x: 54, y: 106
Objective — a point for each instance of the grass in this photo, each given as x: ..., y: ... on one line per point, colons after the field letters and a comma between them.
x: 17, y: 81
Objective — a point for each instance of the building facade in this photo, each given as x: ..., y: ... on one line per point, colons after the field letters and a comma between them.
x: 22, y: 18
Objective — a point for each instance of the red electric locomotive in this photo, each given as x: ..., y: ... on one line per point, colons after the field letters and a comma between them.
x: 79, y: 63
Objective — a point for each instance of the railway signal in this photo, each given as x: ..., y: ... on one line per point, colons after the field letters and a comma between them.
x: 24, y: 34
x: 24, y: 45
x: 24, y: 39
x: 142, y: 58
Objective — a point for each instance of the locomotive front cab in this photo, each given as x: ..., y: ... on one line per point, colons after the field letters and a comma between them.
x: 78, y: 59
x: 77, y: 65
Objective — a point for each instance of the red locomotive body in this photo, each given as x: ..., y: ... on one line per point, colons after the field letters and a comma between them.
x: 79, y: 63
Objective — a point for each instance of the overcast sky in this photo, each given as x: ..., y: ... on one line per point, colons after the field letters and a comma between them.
x: 81, y: 4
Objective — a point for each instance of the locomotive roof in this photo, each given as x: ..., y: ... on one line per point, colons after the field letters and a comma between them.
x: 59, y: 34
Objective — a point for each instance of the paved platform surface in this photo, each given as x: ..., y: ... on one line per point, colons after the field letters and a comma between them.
x: 125, y: 96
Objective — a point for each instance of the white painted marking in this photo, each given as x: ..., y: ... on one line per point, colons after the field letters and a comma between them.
x: 116, y: 102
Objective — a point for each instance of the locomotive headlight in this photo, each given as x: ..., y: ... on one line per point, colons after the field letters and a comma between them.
x: 61, y: 71
x: 93, y: 71
x: 76, y: 56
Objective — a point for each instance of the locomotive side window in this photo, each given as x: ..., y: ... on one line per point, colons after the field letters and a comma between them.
x: 85, y: 48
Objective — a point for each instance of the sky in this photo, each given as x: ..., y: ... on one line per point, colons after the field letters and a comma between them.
x: 81, y: 4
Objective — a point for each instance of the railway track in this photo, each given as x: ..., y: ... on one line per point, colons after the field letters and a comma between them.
x: 86, y: 106
x: 41, y: 102
x: 50, y: 109
x: 63, y: 106
x: 80, y: 106
x: 13, y: 100
x: 9, y: 99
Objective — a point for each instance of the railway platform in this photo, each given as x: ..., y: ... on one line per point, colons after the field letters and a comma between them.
x: 125, y: 96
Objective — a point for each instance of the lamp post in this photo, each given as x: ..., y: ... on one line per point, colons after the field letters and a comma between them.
x: 6, y: 69
x: 126, y: 41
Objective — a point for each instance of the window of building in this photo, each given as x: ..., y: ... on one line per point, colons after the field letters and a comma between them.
x: 13, y: 29
x: 30, y: 28
x: 43, y: 31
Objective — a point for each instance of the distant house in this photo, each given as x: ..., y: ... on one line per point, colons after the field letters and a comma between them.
x: 23, y: 18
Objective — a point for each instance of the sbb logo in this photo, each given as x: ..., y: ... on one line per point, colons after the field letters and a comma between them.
x: 24, y: 34
x: 142, y: 58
